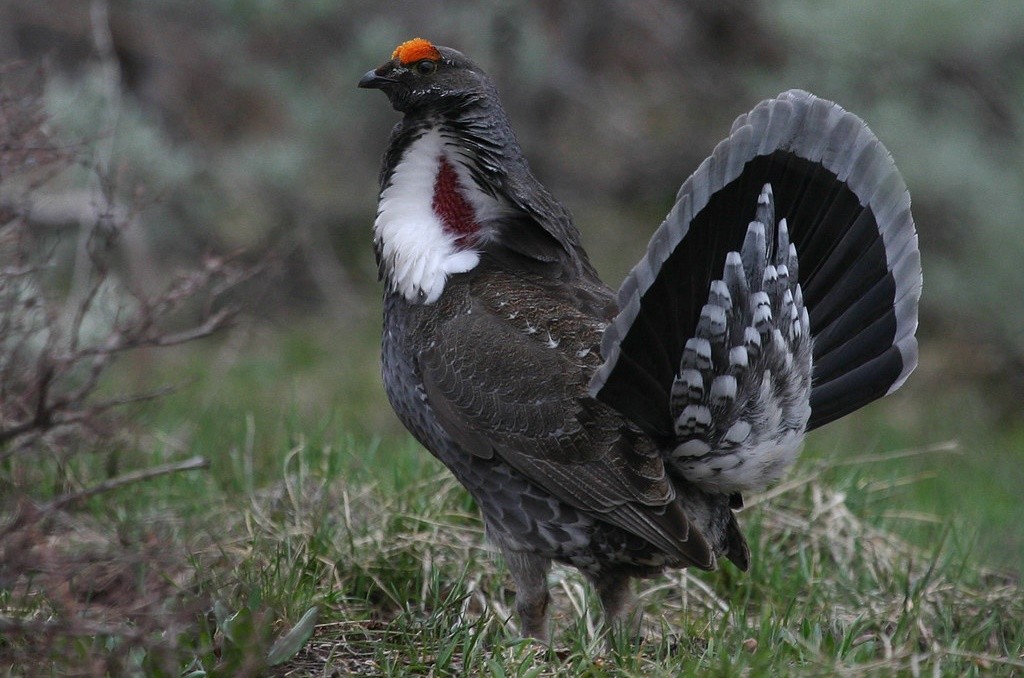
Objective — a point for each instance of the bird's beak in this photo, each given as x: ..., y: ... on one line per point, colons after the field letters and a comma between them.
x: 372, y: 80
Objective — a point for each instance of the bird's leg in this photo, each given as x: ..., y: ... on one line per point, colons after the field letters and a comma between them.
x: 530, y: 573
x: 620, y: 611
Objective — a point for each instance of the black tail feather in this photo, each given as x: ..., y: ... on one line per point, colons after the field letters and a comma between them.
x: 848, y: 215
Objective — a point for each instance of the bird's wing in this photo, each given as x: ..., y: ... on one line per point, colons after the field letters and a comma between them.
x: 528, y: 405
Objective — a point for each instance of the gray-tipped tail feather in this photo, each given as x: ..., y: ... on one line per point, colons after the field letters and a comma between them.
x: 836, y: 197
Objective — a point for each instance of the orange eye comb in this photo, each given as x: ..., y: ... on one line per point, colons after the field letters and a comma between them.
x: 415, y: 50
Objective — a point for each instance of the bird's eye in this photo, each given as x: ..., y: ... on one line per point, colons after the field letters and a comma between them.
x: 425, y: 67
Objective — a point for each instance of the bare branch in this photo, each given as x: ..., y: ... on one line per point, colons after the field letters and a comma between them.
x: 126, y: 479
x: 214, y: 323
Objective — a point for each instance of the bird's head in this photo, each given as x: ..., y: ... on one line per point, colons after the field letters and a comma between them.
x: 424, y: 78
x: 453, y: 162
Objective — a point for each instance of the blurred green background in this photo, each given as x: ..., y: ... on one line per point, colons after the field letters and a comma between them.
x: 236, y: 124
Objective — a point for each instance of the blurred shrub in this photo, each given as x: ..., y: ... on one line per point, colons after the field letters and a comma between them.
x: 76, y: 590
x: 243, y: 116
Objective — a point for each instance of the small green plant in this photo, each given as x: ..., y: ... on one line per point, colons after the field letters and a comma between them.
x: 242, y: 643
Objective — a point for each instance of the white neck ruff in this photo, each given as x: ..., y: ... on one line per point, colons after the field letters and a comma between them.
x: 417, y: 253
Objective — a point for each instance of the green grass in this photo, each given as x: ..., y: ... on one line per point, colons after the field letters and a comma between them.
x: 865, y: 560
x: 406, y: 583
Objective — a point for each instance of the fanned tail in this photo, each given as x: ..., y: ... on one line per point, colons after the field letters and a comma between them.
x: 832, y: 227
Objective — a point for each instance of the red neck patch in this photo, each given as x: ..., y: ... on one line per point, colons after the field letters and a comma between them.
x: 451, y: 206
